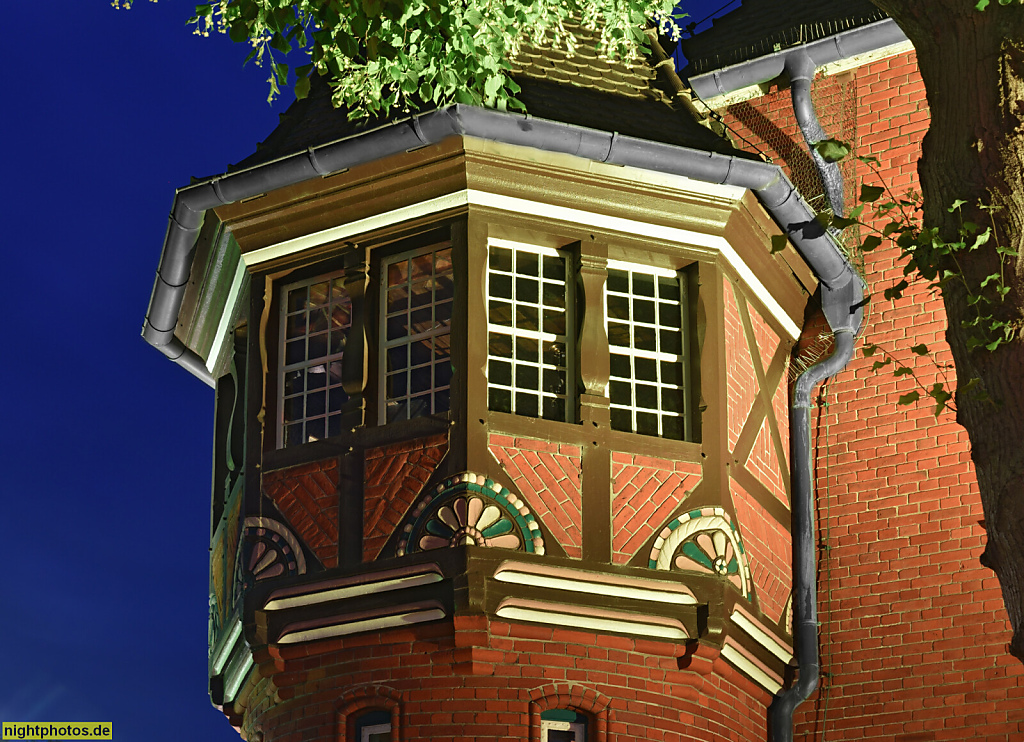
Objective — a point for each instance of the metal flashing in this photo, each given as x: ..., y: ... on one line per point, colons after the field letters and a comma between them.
x: 580, y: 617
x: 594, y: 583
x: 760, y: 634
x: 360, y: 621
x: 846, y: 45
x: 757, y: 670
x: 370, y: 584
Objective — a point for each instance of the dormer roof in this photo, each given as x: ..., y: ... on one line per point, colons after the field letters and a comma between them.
x: 760, y: 27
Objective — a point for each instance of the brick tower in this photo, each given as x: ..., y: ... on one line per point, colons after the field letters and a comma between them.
x: 502, y: 444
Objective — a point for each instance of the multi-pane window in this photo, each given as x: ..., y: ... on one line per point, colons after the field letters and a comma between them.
x: 315, y: 315
x: 646, y: 313
x: 417, y: 294
x: 529, y: 321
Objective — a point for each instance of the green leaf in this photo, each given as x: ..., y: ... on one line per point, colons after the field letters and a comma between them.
x: 840, y: 222
x: 474, y: 17
x: 869, y: 350
x: 879, y: 364
x: 871, y: 242
x: 981, y: 5
x: 909, y: 398
x: 959, y: 202
x: 493, y: 85
x: 779, y: 243
x: 301, y: 88
x: 832, y: 150
x: 941, y: 396
x: 281, y: 71
x: 902, y: 371
x: 870, y: 194
x: 981, y: 239
x: 896, y: 292
x: 921, y: 350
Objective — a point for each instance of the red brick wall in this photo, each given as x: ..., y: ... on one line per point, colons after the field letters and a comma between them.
x: 769, y: 548
x: 307, y: 497
x: 914, y: 631
x: 741, y: 384
x: 549, y: 477
x: 645, y: 494
x: 395, y: 475
x: 480, y: 680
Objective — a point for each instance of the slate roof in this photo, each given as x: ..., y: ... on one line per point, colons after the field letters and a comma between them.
x: 760, y: 27
x: 584, y: 90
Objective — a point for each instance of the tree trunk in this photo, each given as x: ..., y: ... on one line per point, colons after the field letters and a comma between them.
x: 972, y: 63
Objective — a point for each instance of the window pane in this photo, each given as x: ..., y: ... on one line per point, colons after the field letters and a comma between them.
x: 499, y: 345
x: 499, y: 400
x: 643, y: 311
x: 500, y: 259
x: 526, y: 404
x: 499, y: 372
x: 618, y: 307
x: 618, y: 281
x: 527, y: 318
x: 526, y: 290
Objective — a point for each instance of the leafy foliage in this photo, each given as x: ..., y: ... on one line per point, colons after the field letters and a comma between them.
x: 930, y: 258
x: 403, y: 54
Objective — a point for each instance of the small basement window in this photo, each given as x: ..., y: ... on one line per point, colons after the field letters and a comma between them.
x: 315, y: 317
x: 529, y: 331
x: 563, y: 725
x: 373, y: 726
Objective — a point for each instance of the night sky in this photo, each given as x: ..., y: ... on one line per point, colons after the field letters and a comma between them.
x: 105, y: 445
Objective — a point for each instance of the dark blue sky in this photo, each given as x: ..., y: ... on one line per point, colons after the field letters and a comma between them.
x: 105, y: 445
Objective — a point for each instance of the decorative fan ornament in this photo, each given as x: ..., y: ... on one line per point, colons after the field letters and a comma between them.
x: 266, y: 549
x: 704, y: 540
x: 471, y: 510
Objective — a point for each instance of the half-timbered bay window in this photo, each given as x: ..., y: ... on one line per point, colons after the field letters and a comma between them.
x: 529, y: 322
x: 315, y: 315
x: 417, y: 294
x: 646, y: 311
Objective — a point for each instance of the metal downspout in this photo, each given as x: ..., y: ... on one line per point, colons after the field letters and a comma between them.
x: 801, y: 68
x: 843, y: 307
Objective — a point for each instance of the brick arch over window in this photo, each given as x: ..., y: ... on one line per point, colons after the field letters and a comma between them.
x: 570, y: 696
x: 357, y: 701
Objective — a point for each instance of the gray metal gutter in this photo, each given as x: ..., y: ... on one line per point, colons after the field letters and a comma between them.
x: 771, y: 185
x: 862, y: 40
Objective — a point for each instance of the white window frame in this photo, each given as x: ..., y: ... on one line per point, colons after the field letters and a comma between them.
x: 569, y: 339
x: 285, y: 368
x: 658, y: 356
x: 579, y: 730
x: 385, y: 345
